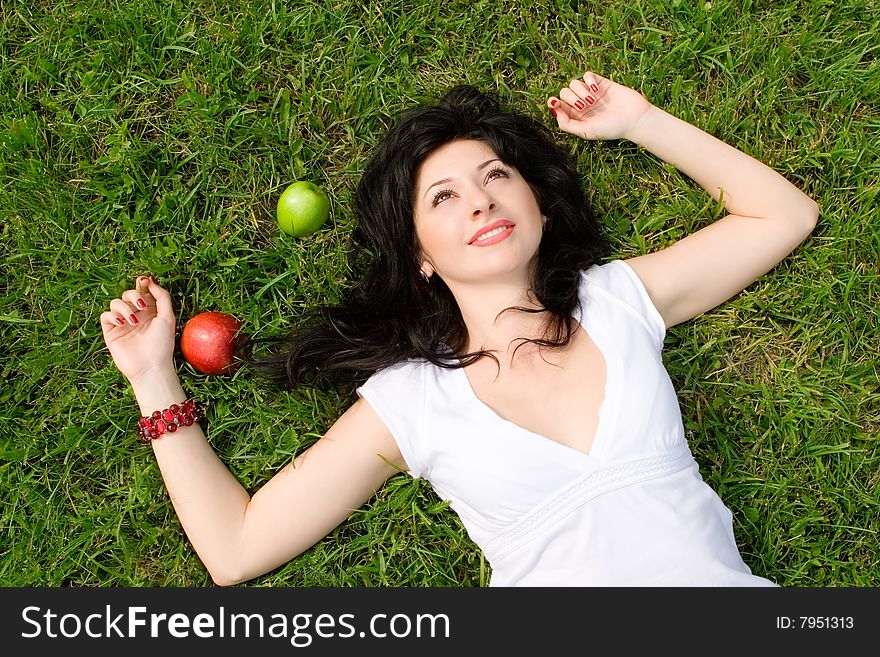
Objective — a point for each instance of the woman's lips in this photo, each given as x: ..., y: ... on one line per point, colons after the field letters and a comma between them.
x: 492, y: 234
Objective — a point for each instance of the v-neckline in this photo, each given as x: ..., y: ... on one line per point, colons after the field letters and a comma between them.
x: 602, y: 412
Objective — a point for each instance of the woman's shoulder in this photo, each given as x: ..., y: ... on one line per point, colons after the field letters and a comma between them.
x: 616, y: 283
x: 614, y: 277
x: 399, y: 395
x: 405, y: 375
x: 611, y: 275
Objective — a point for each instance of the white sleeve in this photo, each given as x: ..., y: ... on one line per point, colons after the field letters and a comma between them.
x: 396, y: 393
x: 620, y: 281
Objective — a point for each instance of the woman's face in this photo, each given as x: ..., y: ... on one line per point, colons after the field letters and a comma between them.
x: 476, y: 218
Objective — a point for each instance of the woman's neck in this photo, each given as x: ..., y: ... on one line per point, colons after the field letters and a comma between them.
x: 489, y: 328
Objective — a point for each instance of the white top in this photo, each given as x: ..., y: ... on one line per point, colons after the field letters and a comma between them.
x: 633, y: 512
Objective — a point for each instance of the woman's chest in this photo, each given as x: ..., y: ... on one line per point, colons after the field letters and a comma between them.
x: 557, y: 396
x: 501, y: 446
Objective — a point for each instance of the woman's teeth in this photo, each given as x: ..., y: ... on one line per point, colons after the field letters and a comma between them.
x: 492, y: 233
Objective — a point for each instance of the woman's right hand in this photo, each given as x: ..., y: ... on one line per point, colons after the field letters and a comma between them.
x: 139, y: 329
x: 594, y: 107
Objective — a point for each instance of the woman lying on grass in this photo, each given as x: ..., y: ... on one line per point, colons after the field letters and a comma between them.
x: 495, y: 353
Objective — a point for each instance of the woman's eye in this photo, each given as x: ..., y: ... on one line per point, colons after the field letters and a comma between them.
x: 497, y: 172
x: 441, y: 196
x: 444, y: 194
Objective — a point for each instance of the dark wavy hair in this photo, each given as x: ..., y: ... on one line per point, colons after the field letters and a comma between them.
x: 389, y: 314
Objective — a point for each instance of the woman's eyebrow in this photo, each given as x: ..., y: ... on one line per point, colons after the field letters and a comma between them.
x: 446, y: 180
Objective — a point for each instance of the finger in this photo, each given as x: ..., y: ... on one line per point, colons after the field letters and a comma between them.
x: 596, y: 86
x: 164, y: 310
x: 574, y: 105
x: 591, y: 77
x: 124, y: 310
x: 561, y: 111
x: 585, y: 93
x: 588, y: 89
x: 555, y: 105
x: 579, y: 88
x: 138, y: 300
x: 593, y: 82
x: 110, y: 321
x: 141, y: 284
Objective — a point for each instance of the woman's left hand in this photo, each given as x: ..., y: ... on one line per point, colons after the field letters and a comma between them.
x: 594, y: 107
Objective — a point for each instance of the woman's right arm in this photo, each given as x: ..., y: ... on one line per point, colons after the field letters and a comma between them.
x: 237, y: 536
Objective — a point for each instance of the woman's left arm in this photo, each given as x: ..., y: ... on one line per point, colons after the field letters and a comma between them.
x: 768, y: 216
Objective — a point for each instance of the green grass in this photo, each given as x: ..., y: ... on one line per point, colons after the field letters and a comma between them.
x: 155, y: 136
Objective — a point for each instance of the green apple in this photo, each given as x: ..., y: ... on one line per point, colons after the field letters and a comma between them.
x: 302, y: 208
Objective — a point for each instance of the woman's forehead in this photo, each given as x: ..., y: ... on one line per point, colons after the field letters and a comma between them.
x: 455, y: 158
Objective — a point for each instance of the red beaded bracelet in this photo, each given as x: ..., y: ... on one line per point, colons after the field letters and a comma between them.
x: 159, y: 422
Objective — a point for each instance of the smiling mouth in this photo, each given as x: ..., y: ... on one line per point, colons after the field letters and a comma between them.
x: 494, y: 234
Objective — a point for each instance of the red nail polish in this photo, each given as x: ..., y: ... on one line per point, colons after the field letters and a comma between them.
x: 594, y: 87
x: 553, y: 102
x: 140, y: 303
x: 134, y: 320
x: 590, y: 100
x: 579, y: 105
x: 120, y: 321
x: 553, y: 111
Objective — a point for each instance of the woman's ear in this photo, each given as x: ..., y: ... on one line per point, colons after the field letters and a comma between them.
x: 427, y: 269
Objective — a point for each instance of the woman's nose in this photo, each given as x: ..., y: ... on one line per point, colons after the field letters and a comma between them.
x: 482, y: 203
